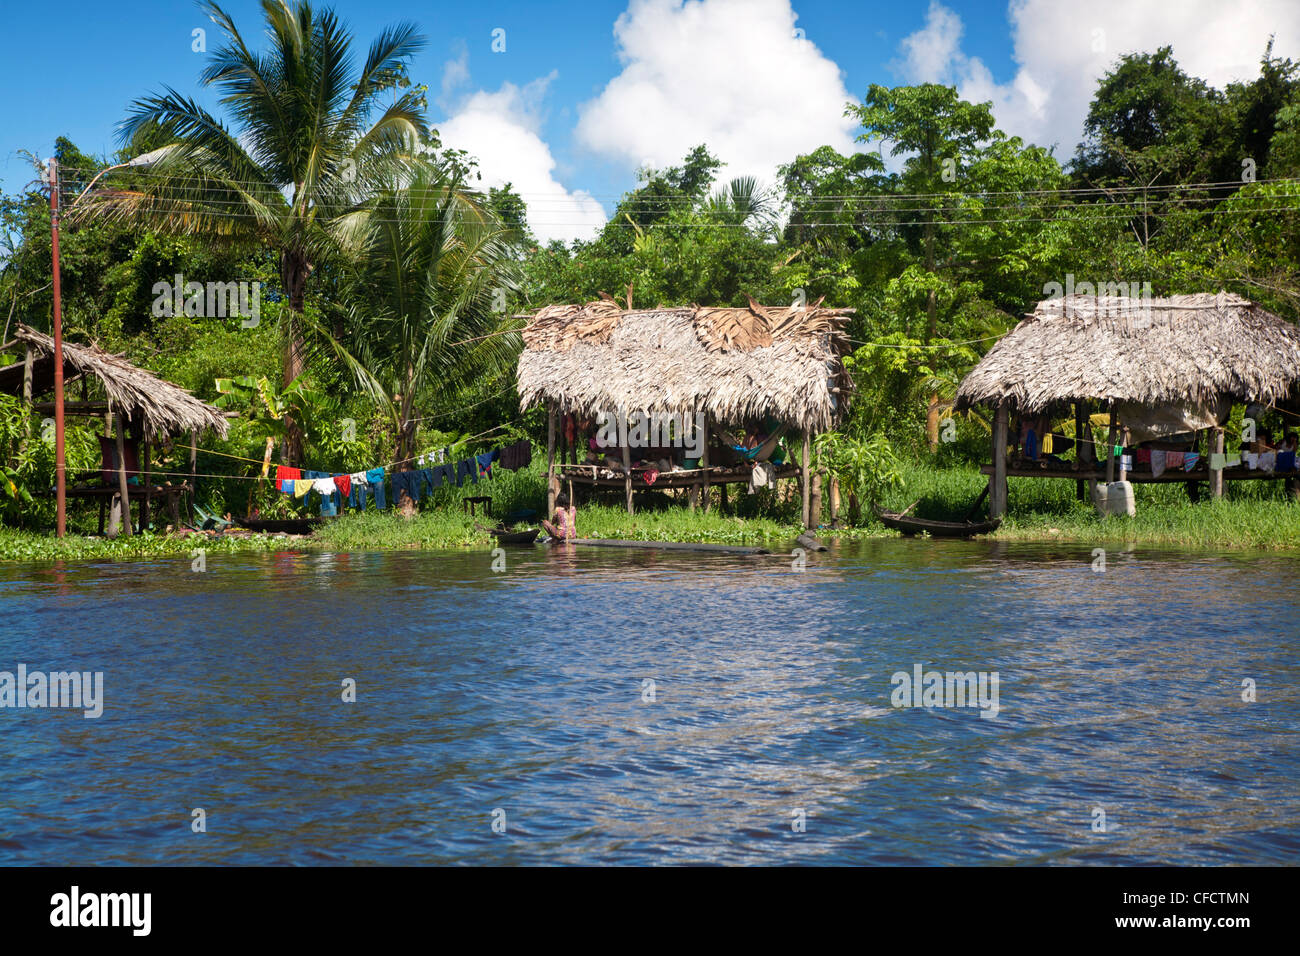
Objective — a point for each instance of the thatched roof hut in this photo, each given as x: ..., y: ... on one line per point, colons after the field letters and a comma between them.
x: 733, y: 364
x: 160, y: 407
x: 1182, y: 350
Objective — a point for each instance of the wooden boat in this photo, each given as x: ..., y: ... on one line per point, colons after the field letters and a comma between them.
x: 905, y: 523
x: 281, y: 526
x: 510, y: 536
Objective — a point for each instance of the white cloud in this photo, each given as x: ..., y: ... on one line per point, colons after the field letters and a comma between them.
x: 1062, y: 50
x: 502, y: 130
x: 736, y: 75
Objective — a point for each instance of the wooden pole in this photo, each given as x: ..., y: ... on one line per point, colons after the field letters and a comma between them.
x: 194, y: 469
x: 60, y: 463
x: 123, y: 490
x: 1110, y: 444
x: 1080, y: 491
x: 815, y: 500
x: 704, y: 463
x: 146, y: 449
x: 627, y: 473
x: 835, y: 502
x: 550, y: 460
x: 805, y: 479
x: 1123, y: 472
x: 998, y: 486
x: 1216, y: 476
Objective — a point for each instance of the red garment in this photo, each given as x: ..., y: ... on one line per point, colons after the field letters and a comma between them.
x: 285, y: 473
x: 344, y: 484
x: 650, y: 475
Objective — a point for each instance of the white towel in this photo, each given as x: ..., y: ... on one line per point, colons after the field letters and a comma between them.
x: 325, y: 486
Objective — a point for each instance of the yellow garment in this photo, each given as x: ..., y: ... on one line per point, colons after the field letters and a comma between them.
x: 301, y: 487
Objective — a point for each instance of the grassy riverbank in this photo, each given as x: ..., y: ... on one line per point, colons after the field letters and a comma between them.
x: 1254, y: 516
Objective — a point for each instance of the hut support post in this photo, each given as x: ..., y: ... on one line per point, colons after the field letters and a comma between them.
x: 194, y: 469
x: 1216, y: 475
x: 704, y: 464
x: 1110, y: 446
x: 550, y: 460
x: 1080, y: 491
x: 1123, y: 472
x: 146, y: 449
x: 627, y: 475
x: 125, y: 510
x: 835, y: 502
x: 815, y: 500
x: 806, y: 479
x: 998, y: 480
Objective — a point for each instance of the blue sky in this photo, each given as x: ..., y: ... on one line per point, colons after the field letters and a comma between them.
x: 571, y: 109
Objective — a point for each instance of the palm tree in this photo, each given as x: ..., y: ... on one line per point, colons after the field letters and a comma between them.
x: 430, y: 285
x: 743, y: 201
x: 298, y: 170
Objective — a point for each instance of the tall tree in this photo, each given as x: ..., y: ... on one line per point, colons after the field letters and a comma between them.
x: 300, y: 165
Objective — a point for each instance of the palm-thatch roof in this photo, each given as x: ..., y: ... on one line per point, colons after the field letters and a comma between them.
x: 1182, y: 350
x: 734, y: 364
x: 162, y: 408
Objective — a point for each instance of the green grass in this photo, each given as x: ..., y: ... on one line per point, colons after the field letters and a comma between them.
x: 1254, y: 515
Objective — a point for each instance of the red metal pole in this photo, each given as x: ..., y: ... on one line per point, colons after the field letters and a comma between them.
x: 60, y: 468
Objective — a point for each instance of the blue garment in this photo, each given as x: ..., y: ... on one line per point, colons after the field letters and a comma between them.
x: 468, y: 467
x: 357, y: 495
x: 1031, y: 444
x: 375, y: 481
x: 1285, y: 461
x: 485, y: 463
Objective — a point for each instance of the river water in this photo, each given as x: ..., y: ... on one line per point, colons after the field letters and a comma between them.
x: 603, y: 706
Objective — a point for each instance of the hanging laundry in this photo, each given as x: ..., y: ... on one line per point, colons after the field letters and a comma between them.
x: 1144, y: 456
x: 485, y: 462
x: 1190, y: 459
x: 650, y: 476
x: 1286, y: 461
x: 1174, y: 459
x: 516, y: 456
x: 1218, y: 461
x: 325, y: 486
x: 1252, y: 460
x: 1158, y: 462
x: 302, y: 487
x: 357, y: 497
x: 285, y: 473
x: 1267, y: 460
x: 344, y: 484
x: 466, y: 469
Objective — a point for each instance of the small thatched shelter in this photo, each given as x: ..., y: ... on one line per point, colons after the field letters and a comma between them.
x: 152, y: 408
x: 1193, y: 352
x: 158, y: 406
x: 730, y: 365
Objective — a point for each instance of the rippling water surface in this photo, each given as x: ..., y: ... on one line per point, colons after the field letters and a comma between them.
x: 525, y: 692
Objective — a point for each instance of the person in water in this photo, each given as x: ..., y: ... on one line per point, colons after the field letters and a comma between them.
x: 566, y: 520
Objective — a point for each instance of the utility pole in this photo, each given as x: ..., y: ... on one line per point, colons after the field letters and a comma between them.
x: 60, y: 467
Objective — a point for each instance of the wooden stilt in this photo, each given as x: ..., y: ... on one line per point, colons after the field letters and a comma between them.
x: 194, y: 470
x: 550, y: 460
x: 805, y: 479
x: 1216, y: 477
x: 835, y: 502
x: 1110, y: 443
x: 1080, y: 487
x: 125, y: 510
x: 627, y: 474
x: 704, y: 463
x: 815, y: 500
x: 998, y: 480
